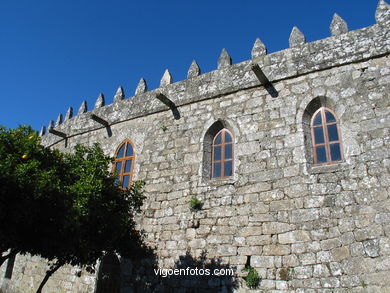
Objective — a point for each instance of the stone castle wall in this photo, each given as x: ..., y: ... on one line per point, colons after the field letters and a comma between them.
x: 304, y: 228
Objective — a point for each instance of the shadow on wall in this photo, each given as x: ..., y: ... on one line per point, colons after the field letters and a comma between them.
x: 188, y: 275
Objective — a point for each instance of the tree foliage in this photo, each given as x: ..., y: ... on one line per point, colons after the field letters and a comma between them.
x: 66, y: 208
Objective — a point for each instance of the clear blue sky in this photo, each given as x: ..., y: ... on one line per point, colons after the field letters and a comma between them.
x: 56, y: 53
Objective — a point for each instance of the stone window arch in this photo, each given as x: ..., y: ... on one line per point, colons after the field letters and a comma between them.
x: 326, y: 137
x: 217, y: 153
x: 222, y: 154
x: 319, y: 119
x: 124, y: 163
x: 109, y: 275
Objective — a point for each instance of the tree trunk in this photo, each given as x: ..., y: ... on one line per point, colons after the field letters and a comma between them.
x: 5, y: 257
x: 49, y: 273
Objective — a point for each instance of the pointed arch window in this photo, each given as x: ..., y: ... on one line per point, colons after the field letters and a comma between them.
x: 222, y: 154
x: 124, y: 163
x: 326, y: 138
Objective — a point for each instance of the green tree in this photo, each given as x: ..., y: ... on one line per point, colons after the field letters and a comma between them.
x: 30, y: 177
x: 66, y: 208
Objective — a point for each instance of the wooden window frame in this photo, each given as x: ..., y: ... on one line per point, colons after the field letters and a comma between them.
x: 324, y: 124
x: 124, y: 159
x: 223, y: 159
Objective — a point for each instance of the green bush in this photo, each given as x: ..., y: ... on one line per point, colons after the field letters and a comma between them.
x: 252, y: 280
x: 195, y: 204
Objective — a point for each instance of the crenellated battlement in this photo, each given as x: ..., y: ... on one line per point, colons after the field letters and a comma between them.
x: 342, y: 47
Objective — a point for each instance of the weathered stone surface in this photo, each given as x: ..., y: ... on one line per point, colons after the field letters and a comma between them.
x: 83, y: 108
x: 42, y: 131
x: 275, y: 249
x: 142, y: 87
x: 371, y: 247
x: 382, y: 14
x: 224, y: 59
x: 59, y: 120
x: 250, y: 231
x: 119, y: 95
x: 166, y: 78
x: 258, y: 49
x: 340, y: 253
x: 276, y: 227
x: 262, y: 261
x: 194, y: 70
x: 69, y: 114
x: 338, y: 25
x: 51, y: 125
x: 100, y: 101
x: 294, y: 237
x: 296, y: 37
x: 369, y: 232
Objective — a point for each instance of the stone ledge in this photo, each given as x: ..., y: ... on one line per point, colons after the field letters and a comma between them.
x: 328, y: 168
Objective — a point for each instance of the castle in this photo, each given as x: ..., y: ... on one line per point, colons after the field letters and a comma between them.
x: 288, y: 154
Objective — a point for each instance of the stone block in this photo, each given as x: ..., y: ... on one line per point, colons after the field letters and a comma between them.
x: 320, y: 270
x: 258, y: 240
x: 250, y: 231
x: 250, y: 250
x: 262, y: 261
x: 340, y: 253
x: 371, y: 247
x: 276, y: 249
x: 369, y: 232
x: 277, y: 227
x: 282, y: 205
x: 226, y: 250
x: 330, y: 282
x: 271, y: 195
x: 303, y: 272
x: 324, y: 256
x: 330, y: 243
x: 294, y: 237
x: 298, y: 190
x: 290, y: 260
x: 303, y: 215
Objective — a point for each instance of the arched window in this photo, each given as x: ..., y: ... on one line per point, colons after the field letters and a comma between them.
x: 109, y: 275
x: 124, y: 163
x: 326, y: 138
x: 222, y: 154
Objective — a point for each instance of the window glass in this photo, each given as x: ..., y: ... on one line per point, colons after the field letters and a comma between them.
x: 123, y: 164
x: 228, y: 151
x: 129, y: 150
x: 222, y: 155
x: 319, y: 135
x: 326, y: 137
x: 332, y: 132
x: 335, y: 152
x: 218, y: 140
x: 217, y: 153
x: 228, y: 137
x: 329, y: 117
x: 318, y: 119
x: 121, y: 151
x: 321, y: 154
x: 118, y: 167
x: 217, y: 170
x: 128, y: 166
x: 228, y: 168
x: 126, y: 180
